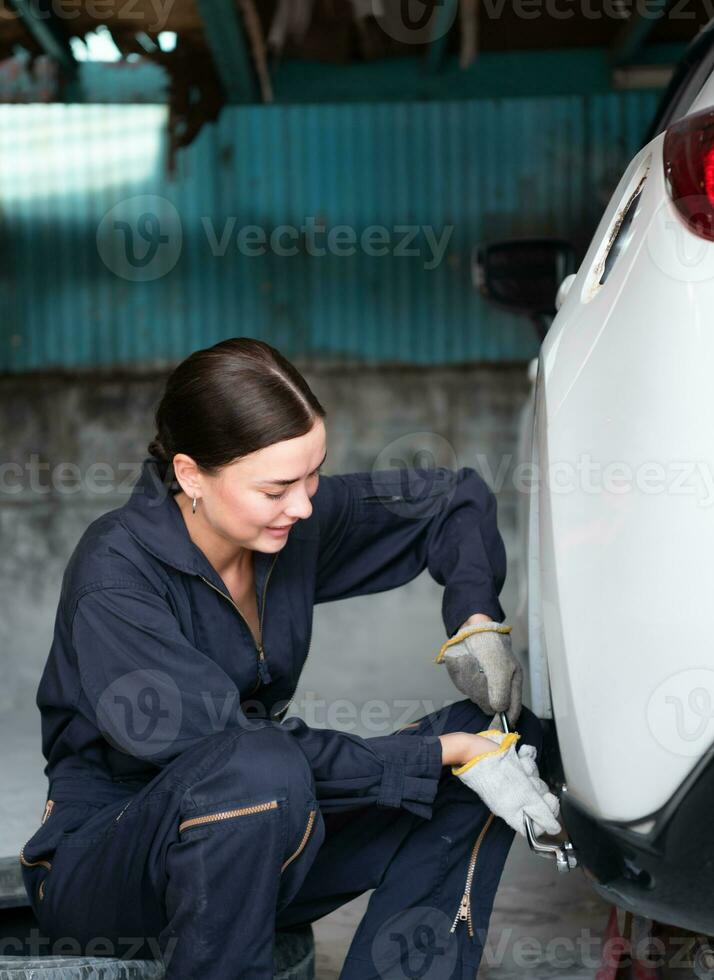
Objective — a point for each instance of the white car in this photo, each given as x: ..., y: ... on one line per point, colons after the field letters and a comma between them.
x: 620, y: 533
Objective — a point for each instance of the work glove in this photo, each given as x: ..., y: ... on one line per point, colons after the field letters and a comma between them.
x: 526, y: 757
x: 509, y: 785
x: 482, y: 666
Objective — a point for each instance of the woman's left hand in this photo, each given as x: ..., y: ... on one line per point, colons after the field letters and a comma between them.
x: 482, y: 666
x: 509, y: 784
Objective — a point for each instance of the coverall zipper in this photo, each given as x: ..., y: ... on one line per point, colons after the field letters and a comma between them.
x: 264, y: 676
x: 227, y: 814
x: 32, y: 864
x: 464, y: 913
x: 279, y: 715
x: 305, y: 838
x: 245, y: 811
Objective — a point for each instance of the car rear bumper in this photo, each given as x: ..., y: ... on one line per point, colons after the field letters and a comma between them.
x: 665, y: 874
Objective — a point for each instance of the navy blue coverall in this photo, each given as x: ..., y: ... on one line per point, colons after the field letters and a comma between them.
x: 186, y: 815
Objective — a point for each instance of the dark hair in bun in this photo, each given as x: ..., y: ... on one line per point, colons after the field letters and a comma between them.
x: 230, y: 400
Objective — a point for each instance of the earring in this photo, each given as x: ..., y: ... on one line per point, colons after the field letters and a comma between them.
x: 193, y: 506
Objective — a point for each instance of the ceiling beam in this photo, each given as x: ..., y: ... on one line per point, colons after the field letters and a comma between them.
x: 632, y: 37
x: 444, y: 17
x: 229, y: 49
x: 40, y: 20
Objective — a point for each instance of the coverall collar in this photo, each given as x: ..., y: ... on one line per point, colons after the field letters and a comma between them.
x: 153, y: 518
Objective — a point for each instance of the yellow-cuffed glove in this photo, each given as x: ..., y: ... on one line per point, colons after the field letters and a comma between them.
x: 482, y: 666
x: 526, y: 757
x: 507, y: 787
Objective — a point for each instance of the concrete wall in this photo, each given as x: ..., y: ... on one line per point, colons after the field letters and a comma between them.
x: 56, y: 430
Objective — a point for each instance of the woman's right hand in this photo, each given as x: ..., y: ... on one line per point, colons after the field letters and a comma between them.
x: 458, y: 748
x: 508, y: 783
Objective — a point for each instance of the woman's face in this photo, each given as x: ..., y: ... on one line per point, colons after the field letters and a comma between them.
x: 255, y: 500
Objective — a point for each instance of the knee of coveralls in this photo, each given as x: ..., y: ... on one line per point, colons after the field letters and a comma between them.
x: 149, y: 877
x: 245, y: 775
x: 497, y: 836
x: 462, y: 849
x: 472, y: 839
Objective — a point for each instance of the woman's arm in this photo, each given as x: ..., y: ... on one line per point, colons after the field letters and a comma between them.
x: 379, y: 530
x: 153, y: 694
x: 475, y: 620
x: 458, y: 748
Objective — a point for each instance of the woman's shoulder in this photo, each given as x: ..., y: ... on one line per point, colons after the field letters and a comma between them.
x: 107, y: 556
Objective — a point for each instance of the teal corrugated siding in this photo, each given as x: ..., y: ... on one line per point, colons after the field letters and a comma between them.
x: 487, y: 168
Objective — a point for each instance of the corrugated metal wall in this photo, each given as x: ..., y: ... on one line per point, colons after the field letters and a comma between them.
x: 106, y: 261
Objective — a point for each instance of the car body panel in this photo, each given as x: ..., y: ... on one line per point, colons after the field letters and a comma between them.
x: 621, y: 526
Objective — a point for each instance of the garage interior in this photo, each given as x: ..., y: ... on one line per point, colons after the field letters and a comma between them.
x: 503, y: 119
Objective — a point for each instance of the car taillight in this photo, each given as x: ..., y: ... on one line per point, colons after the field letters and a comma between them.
x: 689, y: 171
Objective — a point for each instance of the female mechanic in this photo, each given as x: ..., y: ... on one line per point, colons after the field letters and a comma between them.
x: 183, y: 805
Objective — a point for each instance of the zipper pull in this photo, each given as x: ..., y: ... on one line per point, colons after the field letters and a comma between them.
x: 126, y: 805
x: 263, y: 669
x: 283, y: 711
x: 463, y: 914
x: 48, y: 810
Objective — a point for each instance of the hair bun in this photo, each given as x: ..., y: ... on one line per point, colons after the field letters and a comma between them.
x: 156, y: 449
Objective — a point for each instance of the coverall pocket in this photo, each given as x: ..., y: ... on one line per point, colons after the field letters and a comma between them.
x: 91, y: 823
x: 307, y: 834
x: 35, y: 858
x: 402, y: 492
x: 59, y: 821
x: 224, y: 814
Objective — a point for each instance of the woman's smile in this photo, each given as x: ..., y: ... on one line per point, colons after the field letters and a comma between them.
x: 279, y: 531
